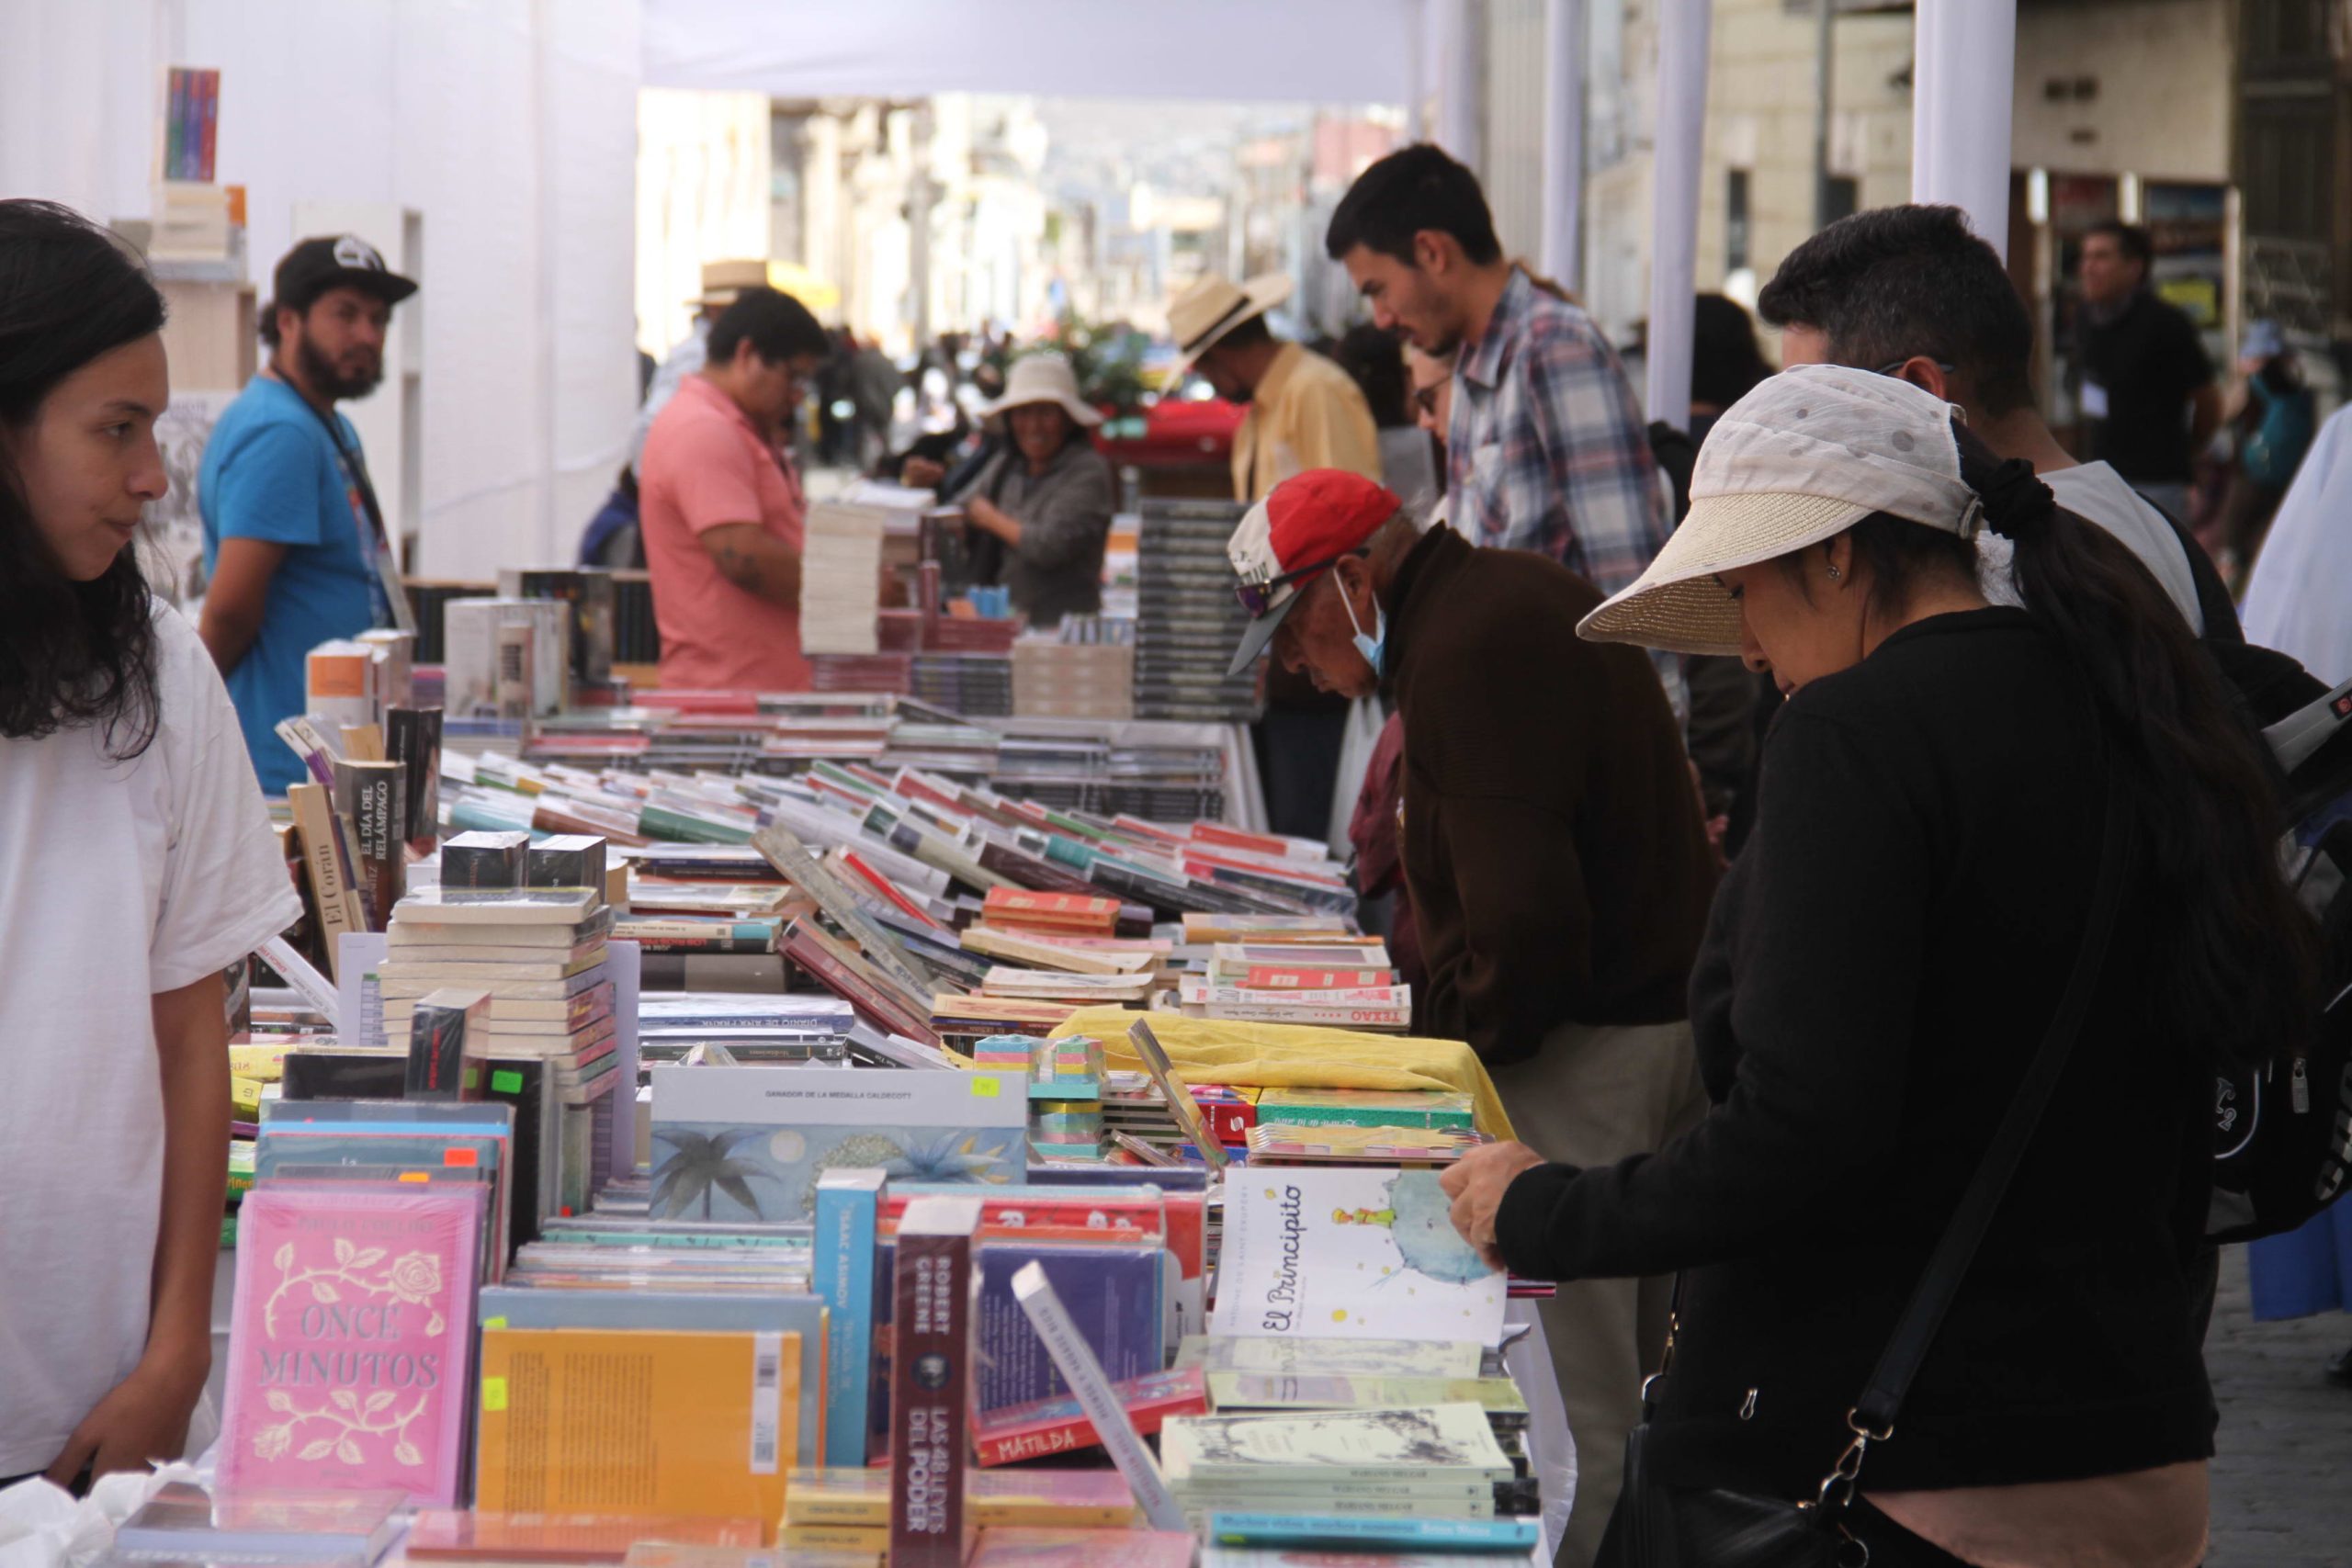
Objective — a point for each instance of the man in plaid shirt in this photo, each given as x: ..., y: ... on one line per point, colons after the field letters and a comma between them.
x: 1547, y: 450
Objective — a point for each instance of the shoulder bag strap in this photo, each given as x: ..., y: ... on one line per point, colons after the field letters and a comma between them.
x: 1872, y: 1417
x: 395, y: 591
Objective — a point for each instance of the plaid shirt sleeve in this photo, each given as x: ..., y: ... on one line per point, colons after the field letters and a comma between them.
x: 1587, y: 483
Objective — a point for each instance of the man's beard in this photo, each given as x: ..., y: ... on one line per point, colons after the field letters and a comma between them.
x: 321, y: 376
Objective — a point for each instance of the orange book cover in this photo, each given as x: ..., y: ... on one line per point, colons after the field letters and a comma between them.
x: 637, y: 1423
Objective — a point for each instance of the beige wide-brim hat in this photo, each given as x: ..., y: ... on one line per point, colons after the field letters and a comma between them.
x: 1801, y: 458
x: 1213, y: 307
x: 722, y: 281
x: 1039, y: 379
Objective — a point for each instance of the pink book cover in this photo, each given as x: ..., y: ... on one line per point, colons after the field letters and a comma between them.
x: 348, y: 1347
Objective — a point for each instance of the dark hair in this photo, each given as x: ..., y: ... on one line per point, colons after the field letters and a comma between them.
x: 776, y: 325
x: 1412, y: 189
x: 2234, y: 962
x: 2130, y: 238
x: 1725, y: 363
x: 71, y: 652
x: 1374, y: 360
x: 1895, y: 281
x: 1248, y: 333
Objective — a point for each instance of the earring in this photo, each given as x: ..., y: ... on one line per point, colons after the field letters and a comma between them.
x: 1834, y: 574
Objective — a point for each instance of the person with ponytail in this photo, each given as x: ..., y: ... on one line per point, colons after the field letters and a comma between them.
x: 136, y: 865
x: 1884, y: 961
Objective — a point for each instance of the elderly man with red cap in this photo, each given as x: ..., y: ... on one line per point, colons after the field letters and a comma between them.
x: 1552, y: 844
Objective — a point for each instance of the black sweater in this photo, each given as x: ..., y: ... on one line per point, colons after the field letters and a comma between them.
x: 1879, y: 967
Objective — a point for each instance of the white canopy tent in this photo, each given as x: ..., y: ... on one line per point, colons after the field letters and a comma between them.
x: 1299, y: 51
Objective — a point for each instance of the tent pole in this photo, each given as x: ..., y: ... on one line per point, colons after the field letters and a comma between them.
x: 1683, y: 27
x: 1963, y: 77
x: 1563, y: 142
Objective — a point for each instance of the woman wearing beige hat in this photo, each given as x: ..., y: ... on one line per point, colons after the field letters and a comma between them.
x: 2008, y: 899
x: 1044, y: 500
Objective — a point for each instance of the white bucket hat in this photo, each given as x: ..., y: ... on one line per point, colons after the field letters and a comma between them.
x: 1801, y: 458
x: 1039, y: 379
x: 1213, y: 307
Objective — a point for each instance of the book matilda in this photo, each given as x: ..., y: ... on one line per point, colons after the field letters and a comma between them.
x: 347, y: 1355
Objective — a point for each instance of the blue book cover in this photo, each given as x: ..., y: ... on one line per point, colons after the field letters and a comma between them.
x: 846, y: 1273
x: 515, y: 1307
x: 1518, y: 1536
x: 751, y: 1142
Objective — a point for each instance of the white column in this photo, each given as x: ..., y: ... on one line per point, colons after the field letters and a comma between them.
x: 1563, y: 253
x: 1681, y: 100
x: 1460, y: 102
x: 1965, y: 53
x: 1417, y: 79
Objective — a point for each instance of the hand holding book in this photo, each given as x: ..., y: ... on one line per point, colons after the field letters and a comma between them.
x: 1476, y: 1183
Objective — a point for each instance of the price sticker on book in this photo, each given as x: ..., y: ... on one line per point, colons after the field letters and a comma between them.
x: 493, y: 1393
x: 984, y: 1086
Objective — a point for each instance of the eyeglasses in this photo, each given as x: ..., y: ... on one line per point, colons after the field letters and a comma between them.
x: 1259, y: 597
x: 1890, y: 368
x: 1425, y: 398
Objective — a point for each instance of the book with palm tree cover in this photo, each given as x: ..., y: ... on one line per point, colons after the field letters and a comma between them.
x: 637, y: 1423
x: 751, y: 1142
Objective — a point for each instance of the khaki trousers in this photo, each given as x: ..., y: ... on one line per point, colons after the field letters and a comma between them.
x: 1591, y: 1096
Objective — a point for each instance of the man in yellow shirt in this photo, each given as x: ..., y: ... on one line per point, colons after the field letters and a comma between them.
x: 1303, y: 411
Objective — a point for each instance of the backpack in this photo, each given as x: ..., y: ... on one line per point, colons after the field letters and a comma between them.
x: 2283, y: 1131
x: 2290, y: 418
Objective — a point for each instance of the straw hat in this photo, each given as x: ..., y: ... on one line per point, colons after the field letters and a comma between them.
x: 723, y: 280
x: 1213, y: 307
x: 1039, y: 379
x: 1801, y: 458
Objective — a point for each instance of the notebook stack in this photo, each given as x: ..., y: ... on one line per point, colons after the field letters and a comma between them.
x: 1348, y: 985
x: 1187, y: 620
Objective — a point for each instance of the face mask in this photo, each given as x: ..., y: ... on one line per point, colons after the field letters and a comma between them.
x: 1375, y: 647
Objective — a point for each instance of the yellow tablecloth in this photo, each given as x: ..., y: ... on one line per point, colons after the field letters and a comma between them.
x: 1284, y: 1056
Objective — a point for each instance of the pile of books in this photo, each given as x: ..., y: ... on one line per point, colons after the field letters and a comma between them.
x: 841, y: 579
x: 1056, y: 914
x: 849, y: 1510
x: 1426, y: 1461
x: 1347, y: 985
x: 537, y: 955
x: 1187, y: 620
x: 1057, y: 677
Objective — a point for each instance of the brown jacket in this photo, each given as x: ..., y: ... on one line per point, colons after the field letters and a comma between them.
x: 1558, y: 868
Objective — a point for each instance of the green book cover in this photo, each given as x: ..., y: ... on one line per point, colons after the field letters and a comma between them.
x: 1440, y: 1109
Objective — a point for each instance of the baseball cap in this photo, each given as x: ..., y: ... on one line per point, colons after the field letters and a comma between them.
x: 334, y: 261
x: 1803, y: 456
x: 1284, y: 542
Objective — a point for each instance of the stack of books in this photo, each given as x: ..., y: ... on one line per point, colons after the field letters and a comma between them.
x: 1420, y: 1461
x: 1054, y: 914
x: 536, y: 953
x: 1348, y: 985
x: 1187, y: 620
x: 841, y: 579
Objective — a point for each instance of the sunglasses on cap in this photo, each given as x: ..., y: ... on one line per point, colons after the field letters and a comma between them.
x: 1259, y: 597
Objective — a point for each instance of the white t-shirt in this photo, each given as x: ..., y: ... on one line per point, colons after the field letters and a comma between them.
x: 2097, y: 494
x: 117, y: 881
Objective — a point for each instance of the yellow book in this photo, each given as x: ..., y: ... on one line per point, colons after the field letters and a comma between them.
x: 637, y: 1423
x: 835, y: 1538
x: 860, y: 1499
x: 263, y: 1064
x: 244, y: 1098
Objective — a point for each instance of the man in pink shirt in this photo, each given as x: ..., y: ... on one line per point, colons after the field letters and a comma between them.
x: 722, y: 514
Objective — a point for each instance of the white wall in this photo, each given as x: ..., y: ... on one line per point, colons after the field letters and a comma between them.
x: 2162, y: 108
x: 508, y: 124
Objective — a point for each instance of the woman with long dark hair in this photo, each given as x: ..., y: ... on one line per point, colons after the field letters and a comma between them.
x: 136, y: 864
x: 1884, y: 961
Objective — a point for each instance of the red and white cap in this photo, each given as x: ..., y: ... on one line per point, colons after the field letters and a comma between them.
x: 1294, y: 536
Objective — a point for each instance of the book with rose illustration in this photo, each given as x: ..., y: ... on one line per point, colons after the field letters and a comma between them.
x: 348, y: 1354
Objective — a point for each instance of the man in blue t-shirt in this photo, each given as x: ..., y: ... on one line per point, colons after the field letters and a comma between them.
x: 293, y: 544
